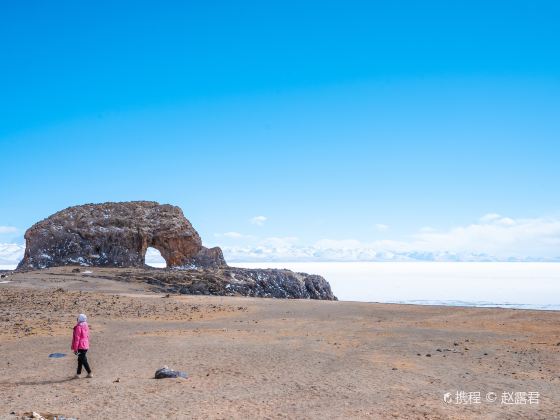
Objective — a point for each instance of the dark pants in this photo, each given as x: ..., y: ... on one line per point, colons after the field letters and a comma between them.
x: 82, y: 361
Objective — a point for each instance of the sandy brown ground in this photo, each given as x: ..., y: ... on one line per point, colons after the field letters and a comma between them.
x: 265, y: 358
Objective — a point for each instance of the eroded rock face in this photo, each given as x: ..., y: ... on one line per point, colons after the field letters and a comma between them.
x: 116, y: 235
x: 229, y: 281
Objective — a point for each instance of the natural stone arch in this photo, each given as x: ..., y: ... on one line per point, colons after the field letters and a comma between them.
x: 117, y: 235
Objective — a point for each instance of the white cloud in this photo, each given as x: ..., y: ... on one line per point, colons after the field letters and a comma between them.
x: 492, y: 238
x: 427, y: 229
x: 8, y: 229
x: 258, y: 220
x: 501, y: 237
x: 232, y: 235
x: 338, y: 244
x: 278, y: 242
x: 11, y: 254
x: 494, y: 218
x: 490, y: 217
x: 381, y: 227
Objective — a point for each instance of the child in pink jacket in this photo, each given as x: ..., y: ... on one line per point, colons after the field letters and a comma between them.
x: 80, y: 345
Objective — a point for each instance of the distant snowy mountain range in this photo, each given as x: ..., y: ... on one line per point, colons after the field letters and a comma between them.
x: 313, y: 254
x: 11, y: 254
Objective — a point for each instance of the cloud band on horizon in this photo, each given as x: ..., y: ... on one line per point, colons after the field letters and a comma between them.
x: 492, y: 238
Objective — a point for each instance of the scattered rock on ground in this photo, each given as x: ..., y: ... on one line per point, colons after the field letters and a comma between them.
x: 34, y: 415
x: 165, y: 372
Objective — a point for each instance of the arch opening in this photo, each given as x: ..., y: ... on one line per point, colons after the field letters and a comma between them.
x: 153, y: 258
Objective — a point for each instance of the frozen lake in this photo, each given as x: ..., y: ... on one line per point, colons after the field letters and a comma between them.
x: 508, y: 285
x: 512, y: 285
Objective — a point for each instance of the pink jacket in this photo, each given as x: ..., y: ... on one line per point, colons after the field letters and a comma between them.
x: 80, y: 339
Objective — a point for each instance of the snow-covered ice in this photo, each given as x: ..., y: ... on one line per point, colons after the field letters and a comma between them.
x: 513, y: 285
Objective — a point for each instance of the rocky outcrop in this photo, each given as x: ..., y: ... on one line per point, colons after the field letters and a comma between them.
x: 233, y: 281
x: 116, y: 235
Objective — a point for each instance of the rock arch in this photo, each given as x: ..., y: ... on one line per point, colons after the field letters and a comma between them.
x: 117, y: 235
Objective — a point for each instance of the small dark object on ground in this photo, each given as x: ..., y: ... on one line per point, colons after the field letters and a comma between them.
x: 2, y: 276
x: 57, y: 355
x: 165, y: 372
x: 33, y: 415
x: 75, y: 270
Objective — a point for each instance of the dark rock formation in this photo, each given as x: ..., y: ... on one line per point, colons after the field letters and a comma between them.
x: 165, y: 372
x: 116, y: 235
x: 233, y: 281
x: 57, y: 355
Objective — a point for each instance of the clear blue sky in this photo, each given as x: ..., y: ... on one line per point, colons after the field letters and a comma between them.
x: 328, y: 118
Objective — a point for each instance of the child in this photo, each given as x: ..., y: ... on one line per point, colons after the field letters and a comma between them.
x: 80, y: 345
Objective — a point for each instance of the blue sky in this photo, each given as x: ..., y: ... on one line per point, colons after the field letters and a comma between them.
x: 346, y: 125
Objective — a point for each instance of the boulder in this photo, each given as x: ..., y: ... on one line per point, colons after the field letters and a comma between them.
x: 165, y: 372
